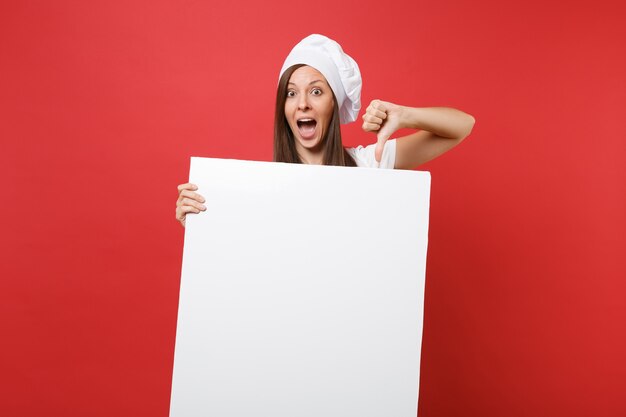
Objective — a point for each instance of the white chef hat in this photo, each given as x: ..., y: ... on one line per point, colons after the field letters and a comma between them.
x: 340, y: 70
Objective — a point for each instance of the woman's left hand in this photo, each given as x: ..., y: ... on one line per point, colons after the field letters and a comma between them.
x: 384, y: 118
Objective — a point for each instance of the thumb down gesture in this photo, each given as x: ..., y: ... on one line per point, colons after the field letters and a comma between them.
x: 383, y: 118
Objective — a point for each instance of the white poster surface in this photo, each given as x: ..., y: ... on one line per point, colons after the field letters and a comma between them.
x: 302, y: 292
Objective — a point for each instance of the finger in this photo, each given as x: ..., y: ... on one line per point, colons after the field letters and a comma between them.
x: 192, y: 195
x: 182, y: 211
x: 379, y: 105
x: 189, y: 202
x: 370, y: 127
x: 371, y: 111
x: 372, y: 119
x: 187, y: 186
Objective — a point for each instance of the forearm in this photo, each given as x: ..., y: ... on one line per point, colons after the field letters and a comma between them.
x: 442, y: 121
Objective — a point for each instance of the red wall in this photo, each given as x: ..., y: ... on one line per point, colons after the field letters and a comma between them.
x: 102, y: 104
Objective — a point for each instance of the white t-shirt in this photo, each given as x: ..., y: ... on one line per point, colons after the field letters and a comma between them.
x: 364, y: 156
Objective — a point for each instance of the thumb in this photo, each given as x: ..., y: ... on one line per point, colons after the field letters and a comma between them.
x: 383, y: 136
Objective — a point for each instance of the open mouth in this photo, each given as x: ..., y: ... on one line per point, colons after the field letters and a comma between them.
x: 307, y: 128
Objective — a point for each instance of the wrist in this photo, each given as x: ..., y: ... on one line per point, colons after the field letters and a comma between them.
x: 410, y: 117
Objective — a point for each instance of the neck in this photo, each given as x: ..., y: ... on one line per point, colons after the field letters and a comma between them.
x: 310, y: 156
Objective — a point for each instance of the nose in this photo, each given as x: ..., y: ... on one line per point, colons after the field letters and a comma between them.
x: 303, y: 102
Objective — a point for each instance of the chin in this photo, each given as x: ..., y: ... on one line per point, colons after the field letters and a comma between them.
x: 311, y: 143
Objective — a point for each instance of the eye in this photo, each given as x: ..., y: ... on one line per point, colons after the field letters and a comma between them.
x: 316, y: 92
x: 291, y: 93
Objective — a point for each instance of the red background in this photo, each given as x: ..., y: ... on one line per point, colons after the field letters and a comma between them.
x: 102, y: 104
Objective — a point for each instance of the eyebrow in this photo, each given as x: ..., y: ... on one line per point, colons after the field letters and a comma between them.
x: 312, y: 82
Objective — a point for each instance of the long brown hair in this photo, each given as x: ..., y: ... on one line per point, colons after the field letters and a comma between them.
x: 284, y: 142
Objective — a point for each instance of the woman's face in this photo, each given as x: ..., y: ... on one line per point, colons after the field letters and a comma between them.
x: 308, y: 108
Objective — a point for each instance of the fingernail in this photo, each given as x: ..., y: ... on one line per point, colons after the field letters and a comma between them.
x: 203, y: 207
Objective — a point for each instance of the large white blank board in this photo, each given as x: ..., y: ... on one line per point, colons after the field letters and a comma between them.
x: 302, y: 292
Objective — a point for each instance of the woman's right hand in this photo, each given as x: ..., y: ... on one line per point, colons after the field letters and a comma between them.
x: 188, y: 202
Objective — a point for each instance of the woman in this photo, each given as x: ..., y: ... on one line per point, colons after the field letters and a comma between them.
x: 319, y: 88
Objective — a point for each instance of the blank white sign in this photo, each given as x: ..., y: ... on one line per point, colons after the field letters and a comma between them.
x: 302, y: 292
